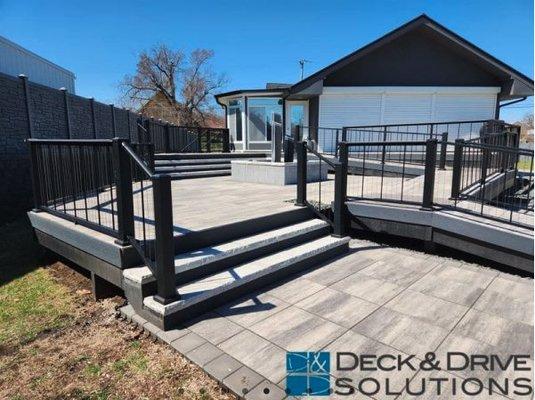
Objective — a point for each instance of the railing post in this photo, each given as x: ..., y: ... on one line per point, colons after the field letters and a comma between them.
x: 113, y: 121
x: 297, y: 134
x: 336, y: 142
x: 164, y: 243
x: 93, y: 117
x: 340, y: 192
x: 166, y: 139
x: 443, y: 151
x: 208, y: 141
x: 457, y: 165
x: 485, y: 156
x: 36, y: 184
x: 429, y: 174
x: 28, y: 109
x: 67, y: 112
x: 226, y: 140
x: 123, y: 183
x: 344, y: 134
x: 301, y: 150
x: 383, y: 152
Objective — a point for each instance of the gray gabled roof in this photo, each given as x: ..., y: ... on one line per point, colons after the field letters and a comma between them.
x: 520, y: 81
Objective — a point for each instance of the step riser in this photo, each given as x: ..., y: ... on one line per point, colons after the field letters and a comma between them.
x: 192, y: 168
x: 198, y: 156
x: 220, y: 265
x: 247, y: 286
x: 185, y: 175
x: 225, y: 233
x: 189, y: 163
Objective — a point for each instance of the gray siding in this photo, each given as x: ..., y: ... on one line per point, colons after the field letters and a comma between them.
x: 16, y: 60
x: 418, y: 58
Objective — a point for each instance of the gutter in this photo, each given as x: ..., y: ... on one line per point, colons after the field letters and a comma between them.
x: 512, y: 102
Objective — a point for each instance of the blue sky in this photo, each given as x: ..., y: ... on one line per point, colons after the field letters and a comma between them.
x: 254, y: 42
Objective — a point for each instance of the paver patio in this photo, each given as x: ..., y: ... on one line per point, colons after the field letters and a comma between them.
x: 376, y: 300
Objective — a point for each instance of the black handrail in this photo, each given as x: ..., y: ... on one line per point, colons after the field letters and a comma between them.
x: 138, y: 160
x: 72, y: 142
x: 386, y: 144
x: 431, y: 123
x: 321, y: 156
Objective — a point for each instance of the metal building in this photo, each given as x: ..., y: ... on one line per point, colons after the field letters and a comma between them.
x: 16, y: 60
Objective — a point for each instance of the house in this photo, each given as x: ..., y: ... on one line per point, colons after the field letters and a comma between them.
x: 420, y: 72
x: 16, y: 60
x: 159, y: 107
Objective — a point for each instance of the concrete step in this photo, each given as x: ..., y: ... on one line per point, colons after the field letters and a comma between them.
x: 199, y: 174
x: 197, y: 263
x: 200, y: 161
x: 192, y: 168
x: 214, y: 290
x: 197, y: 156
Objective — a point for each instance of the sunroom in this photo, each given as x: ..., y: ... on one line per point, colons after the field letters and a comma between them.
x: 253, y: 116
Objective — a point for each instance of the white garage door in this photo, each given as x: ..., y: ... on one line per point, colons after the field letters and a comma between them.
x: 354, y: 106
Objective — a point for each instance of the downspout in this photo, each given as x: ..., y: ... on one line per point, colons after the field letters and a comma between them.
x: 226, y: 110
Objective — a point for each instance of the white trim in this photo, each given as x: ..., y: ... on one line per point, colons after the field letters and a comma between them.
x: 340, y: 90
x: 288, y: 104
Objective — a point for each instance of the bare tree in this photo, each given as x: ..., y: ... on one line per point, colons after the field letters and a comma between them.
x: 526, y: 124
x: 181, y: 87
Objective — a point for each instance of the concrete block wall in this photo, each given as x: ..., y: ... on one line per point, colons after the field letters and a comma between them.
x: 48, y: 117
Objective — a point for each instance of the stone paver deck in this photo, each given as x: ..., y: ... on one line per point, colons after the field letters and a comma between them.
x: 375, y: 300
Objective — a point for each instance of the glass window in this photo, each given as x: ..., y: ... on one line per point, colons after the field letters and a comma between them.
x: 235, y: 122
x: 263, y: 112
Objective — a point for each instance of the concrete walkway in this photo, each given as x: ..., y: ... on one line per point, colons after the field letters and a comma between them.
x: 376, y: 300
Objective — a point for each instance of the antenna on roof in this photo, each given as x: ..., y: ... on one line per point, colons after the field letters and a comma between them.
x: 302, y: 64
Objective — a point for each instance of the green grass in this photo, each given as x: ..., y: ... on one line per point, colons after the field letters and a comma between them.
x: 32, y: 304
x: 31, y: 301
x: 525, y: 165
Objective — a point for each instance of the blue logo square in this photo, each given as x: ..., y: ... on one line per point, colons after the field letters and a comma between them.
x: 308, y: 373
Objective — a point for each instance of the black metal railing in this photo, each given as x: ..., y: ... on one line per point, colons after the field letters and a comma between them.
x: 152, y: 220
x: 370, y: 178
x: 110, y: 186
x: 328, y: 139
x: 168, y: 138
x: 493, y: 181
x: 327, y: 203
x: 75, y: 179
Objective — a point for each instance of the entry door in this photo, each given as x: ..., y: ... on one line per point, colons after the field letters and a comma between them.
x: 296, y: 114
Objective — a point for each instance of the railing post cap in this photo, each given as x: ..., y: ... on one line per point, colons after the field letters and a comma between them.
x: 63, y: 89
x: 22, y: 76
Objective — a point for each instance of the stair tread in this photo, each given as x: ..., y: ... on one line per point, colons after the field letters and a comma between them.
x: 193, y: 168
x: 223, y: 280
x: 197, y: 258
x: 207, y: 173
x: 192, y: 161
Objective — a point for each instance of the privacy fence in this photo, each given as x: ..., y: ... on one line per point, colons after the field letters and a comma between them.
x: 29, y: 110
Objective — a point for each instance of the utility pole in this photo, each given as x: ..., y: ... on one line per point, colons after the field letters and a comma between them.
x: 302, y: 64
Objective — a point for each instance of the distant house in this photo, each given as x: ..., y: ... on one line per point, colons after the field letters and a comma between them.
x: 419, y: 72
x: 159, y: 107
x: 16, y: 60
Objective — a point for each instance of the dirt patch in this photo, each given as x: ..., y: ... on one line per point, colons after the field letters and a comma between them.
x: 92, y: 354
